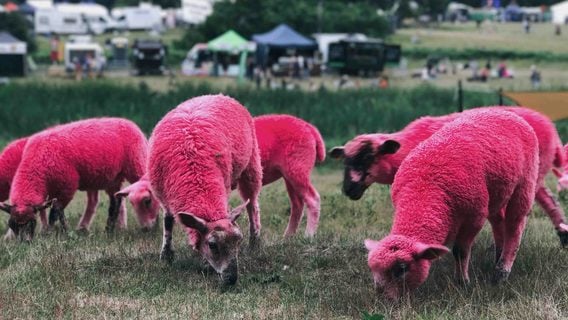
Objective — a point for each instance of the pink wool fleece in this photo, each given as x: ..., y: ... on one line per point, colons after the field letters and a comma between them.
x: 484, y: 165
x: 90, y: 155
x: 289, y: 148
x: 365, y: 163
x: 201, y: 150
x: 9, y: 162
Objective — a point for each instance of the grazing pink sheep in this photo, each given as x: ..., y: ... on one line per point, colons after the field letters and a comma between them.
x: 199, y: 152
x: 143, y: 200
x: 88, y: 155
x: 562, y: 176
x: 289, y: 148
x: 376, y: 158
x: 9, y: 162
x: 484, y: 165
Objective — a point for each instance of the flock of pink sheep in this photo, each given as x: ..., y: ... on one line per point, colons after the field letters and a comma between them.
x: 449, y: 174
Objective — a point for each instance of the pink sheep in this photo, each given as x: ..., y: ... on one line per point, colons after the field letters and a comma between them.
x: 199, y: 152
x: 142, y: 199
x: 289, y: 148
x: 376, y: 158
x: 9, y: 162
x: 562, y: 176
x: 88, y: 155
x: 484, y: 165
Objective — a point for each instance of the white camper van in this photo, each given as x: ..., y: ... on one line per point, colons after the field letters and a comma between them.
x: 194, y: 12
x: 73, y: 19
x: 143, y: 17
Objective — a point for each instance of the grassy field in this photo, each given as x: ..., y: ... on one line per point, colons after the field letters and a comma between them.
x: 496, y: 36
x: 120, y: 276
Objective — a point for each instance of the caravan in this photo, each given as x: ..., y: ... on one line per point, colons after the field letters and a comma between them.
x: 73, y: 19
x: 143, y: 17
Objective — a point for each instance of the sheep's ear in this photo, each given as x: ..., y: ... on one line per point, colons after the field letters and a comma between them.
x: 337, y: 152
x: 124, y: 192
x: 46, y: 204
x: 236, y: 212
x: 5, y: 207
x: 371, y: 244
x: 193, y: 222
x: 557, y: 173
x: 429, y: 251
x: 388, y: 147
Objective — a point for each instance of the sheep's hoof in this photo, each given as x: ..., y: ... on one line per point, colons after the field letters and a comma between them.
x: 167, y: 255
x: 254, y: 243
x: 563, y: 235
x: 83, y: 231
x: 499, y: 276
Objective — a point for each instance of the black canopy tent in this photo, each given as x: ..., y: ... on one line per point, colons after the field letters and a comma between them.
x: 277, y: 41
x: 12, y: 56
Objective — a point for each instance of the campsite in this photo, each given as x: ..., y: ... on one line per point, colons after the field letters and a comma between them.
x: 330, y: 65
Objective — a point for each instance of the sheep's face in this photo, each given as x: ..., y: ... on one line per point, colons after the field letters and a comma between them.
x: 399, y: 264
x: 145, y: 204
x: 23, y: 218
x: 218, y: 242
x: 366, y: 161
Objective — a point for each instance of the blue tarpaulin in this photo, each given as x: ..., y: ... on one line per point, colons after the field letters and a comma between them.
x: 284, y: 37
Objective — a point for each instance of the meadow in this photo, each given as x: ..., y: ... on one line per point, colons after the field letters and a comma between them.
x: 119, y: 276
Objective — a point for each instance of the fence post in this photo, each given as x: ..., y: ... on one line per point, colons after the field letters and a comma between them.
x: 500, y: 92
x: 460, y: 96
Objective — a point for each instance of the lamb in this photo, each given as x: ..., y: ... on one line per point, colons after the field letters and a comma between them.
x: 88, y: 155
x: 484, y: 165
x: 198, y: 153
x: 376, y: 158
x: 9, y: 162
x: 143, y: 201
x: 289, y: 148
x: 562, y: 176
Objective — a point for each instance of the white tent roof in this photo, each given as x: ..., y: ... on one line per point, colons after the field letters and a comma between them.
x: 11, y: 45
x: 559, y: 12
x: 41, y: 4
x: 86, y: 8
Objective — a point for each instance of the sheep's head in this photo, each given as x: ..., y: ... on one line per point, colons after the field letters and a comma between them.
x: 146, y: 205
x: 218, y: 241
x: 399, y: 264
x: 23, y: 218
x: 366, y: 160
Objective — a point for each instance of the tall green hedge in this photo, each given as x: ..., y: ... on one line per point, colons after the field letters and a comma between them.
x: 339, y: 115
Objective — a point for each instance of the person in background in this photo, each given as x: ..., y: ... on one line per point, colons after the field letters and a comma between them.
x: 54, y: 49
x: 535, y: 78
x: 527, y: 25
x: 384, y: 82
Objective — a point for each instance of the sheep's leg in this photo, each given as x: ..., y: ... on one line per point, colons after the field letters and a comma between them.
x: 462, y: 249
x: 250, y: 184
x: 167, y: 252
x: 120, y: 209
x: 87, y: 218
x: 122, y: 216
x: 313, y: 203
x: 43, y: 219
x: 554, y: 211
x: 62, y: 219
x: 516, y: 214
x: 296, y: 210
x: 113, y: 211
x: 498, y: 227
x: 53, y: 217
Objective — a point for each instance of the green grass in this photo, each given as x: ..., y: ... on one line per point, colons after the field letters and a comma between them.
x: 120, y: 276
x: 496, y: 36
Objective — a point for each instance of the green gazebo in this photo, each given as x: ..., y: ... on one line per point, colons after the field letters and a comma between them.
x: 232, y: 43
